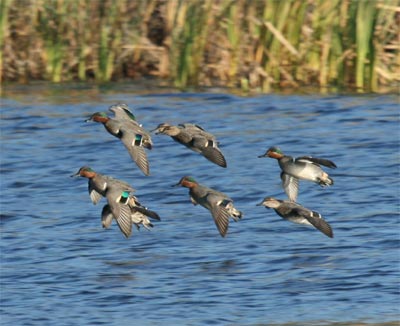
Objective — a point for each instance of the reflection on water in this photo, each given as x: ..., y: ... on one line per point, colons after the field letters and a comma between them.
x: 60, y: 267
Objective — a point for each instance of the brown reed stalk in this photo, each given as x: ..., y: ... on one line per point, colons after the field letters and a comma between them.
x: 259, y: 44
x: 4, y: 9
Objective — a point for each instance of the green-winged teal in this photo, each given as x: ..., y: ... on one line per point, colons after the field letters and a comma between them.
x: 304, y: 168
x: 219, y: 204
x: 296, y: 213
x: 125, y: 127
x: 122, y: 205
x: 195, y: 138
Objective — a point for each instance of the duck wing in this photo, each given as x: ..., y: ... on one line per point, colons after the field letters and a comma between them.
x: 209, y: 149
x: 122, y: 112
x: 184, y: 137
x: 197, y: 131
x: 219, y: 213
x: 94, y: 194
x: 221, y: 219
x: 214, y: 155
x: 316, y: 220
x: 106, y: 217
x: 133, y: 143
x: 318, y: 161
x: 112, y: 182
x: 290, y: 186
x: 127, y: 121
x: 190, y: 127
x: 120, y: 210
x: 124, y: 220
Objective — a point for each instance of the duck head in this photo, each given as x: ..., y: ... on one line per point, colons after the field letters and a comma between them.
x: 166, y: 129
x: 98, y: 117
x: 85, y: 172
x: 187, y: 182
x: 273, y: 152
x: 270, y: 202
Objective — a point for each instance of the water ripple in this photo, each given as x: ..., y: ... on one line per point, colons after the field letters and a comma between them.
x: 60, y: 267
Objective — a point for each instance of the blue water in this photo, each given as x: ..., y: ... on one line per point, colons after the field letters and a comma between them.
x: 59, y: 267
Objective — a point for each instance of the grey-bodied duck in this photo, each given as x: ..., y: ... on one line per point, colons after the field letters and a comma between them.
x: 125, y: 127
x: 296, y: 213
x: 301, y: 168
x: 196, y: 138
x: 219, y: 204
x: 121, y: 204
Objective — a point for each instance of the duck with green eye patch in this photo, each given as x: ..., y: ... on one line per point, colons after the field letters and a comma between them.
x: 219, y: 204
x: 125, y: 127
x: 121, y: 204
x: 300, y: 168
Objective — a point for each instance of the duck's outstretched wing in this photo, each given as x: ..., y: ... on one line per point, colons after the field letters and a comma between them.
x: 290, y: 186
x: 316, y: 220
x: 134, y: 144
x: 120, y: 210
x: 318, y: 161
x: 221, y: 219
x: 209, y: 149
x: 128, y: 123
x: 122, y: 112
x: 124, y: 221
x: 219, y: 213
x: 214, y: 155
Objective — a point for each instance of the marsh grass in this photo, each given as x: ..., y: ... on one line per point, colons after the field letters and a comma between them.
x: 249, y: 44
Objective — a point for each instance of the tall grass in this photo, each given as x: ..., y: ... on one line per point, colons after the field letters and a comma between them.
x: 4, y: 8
x: 261, y: 44
x: 365, y: 21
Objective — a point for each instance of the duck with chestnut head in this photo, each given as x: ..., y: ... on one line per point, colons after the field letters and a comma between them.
x: 121, y: 205
x: 300, y: 168
x: 125, y: 127
x: 219, y: 204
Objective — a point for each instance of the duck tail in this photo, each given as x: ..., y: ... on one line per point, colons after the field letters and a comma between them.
x: 145, y: 223
x: 325, y: 180
x: 236, y: 214
x: 232, y: 211
x: 148, y: 225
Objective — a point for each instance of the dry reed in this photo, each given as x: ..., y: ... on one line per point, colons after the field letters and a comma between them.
x: 255, y: 45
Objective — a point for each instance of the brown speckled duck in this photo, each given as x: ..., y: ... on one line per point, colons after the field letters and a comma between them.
x: 196, y: 138
x: 296, y: 213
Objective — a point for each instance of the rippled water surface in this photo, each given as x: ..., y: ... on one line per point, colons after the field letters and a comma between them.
x: 59, y: 267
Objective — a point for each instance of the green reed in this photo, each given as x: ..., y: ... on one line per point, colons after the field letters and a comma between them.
x: 4, y: 8
x: 365, y: 19
x: 256, y: 45
x: 188, y: 41
x: 52, y: 24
